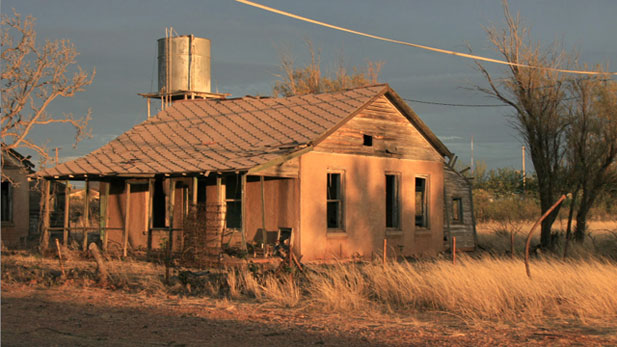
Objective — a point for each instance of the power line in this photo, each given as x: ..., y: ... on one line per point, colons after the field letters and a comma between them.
x: 438, y: 50
x: 451, y: 104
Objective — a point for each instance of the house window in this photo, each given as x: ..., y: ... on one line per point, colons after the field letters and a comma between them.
x: 335, y: 201
x: 392, y: 201
x: 233, y: 202
x: 7, y: 201
x: 368, y: 140
x: 457, y: 210
x: 421, y: 203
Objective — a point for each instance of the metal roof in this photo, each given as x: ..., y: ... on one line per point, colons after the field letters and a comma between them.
x: 196, y: 136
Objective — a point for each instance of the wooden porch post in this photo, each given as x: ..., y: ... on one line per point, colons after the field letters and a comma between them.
x: 103, y: 201
x: 263, y: 214
x: 45, y: 225
x: 150, y: 205
x: 67, y: 212
x: 86, y: 215
x: 127, y: 211
x: 243, y: 211
x: 195, y: 192
x: 170, y: 209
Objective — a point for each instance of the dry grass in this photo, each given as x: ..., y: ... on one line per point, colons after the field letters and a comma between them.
x: 485, y: 289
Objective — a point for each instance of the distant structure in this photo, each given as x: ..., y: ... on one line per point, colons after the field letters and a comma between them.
x: 183, y: 70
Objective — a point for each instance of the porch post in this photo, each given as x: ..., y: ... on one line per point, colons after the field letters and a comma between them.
x: 243, y: 211
x: 45, y: 225
x: 150, y: 205
x: 103, y: 201
x: 263, y: 213
x: 170, y: 210
x: 86, y: 215
x: 127, y: 211
x: 67, y: 212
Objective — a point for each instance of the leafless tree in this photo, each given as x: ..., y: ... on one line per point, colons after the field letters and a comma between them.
x: 536, y: 95
x: 310, y: 80
x: 591, y: 142
x: 33, y: 76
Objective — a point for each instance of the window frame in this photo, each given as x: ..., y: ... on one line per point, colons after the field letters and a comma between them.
x: 237, y: 199
x: 457, y: 201
x: 340, y: 227
x: 425, y: 224
x: 396, y: 201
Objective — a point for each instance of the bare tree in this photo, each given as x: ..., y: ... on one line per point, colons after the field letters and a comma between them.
x: 310, y: 80
x: 33, y: 76
x: 536, y: 96
x: 591, y: 142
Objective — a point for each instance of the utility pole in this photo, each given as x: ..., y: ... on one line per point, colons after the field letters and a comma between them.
x: 524, y: 175
x: 471, y: 164
x: 56, y: 155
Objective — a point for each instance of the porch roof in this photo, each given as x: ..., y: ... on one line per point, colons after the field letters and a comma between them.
x: 196, y: 136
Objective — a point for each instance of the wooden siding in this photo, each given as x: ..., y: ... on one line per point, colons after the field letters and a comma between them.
x: 393, y: 135
x: 287, y: 169
x: 457, y: 186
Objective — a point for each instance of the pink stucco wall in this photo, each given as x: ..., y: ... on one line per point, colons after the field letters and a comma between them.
x: 364, y: 207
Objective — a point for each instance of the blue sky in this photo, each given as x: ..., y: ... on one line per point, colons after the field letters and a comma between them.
x: 118, y: 38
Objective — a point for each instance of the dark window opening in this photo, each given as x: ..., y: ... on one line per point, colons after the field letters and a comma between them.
x: 7, y: 203
x: 421, y: 203
x: 334, y: 202
x: 233, y: 202
x: 457, y: 210
x: 392, y: 202
x: 201, y: 191
x: 368, y: 140
x: 159, y: 208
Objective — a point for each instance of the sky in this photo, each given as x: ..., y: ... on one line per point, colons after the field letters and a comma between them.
x: 118, y: 39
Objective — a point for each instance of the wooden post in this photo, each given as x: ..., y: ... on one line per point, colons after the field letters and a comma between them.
x: 46, y: 208
x: 243, y: 209
x: 127, y: 218
x: 100, y: 264
x: 150, y: 206
x: 86, y: 215
x: 60, y: 258
x: 454, y: 250
x: 195, y: 191
x: 148, y: 102
x: 170, y: 211
x: 103, y: 201
x: 67, y: 212
x: 264, y: 234
x: 511, y: 243
x: 385, y: 250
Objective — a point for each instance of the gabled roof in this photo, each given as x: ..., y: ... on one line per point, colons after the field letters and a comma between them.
x: 195, y: 136
x: 12, y: 158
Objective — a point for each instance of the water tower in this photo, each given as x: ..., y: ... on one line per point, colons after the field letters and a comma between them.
x: 183, y: 70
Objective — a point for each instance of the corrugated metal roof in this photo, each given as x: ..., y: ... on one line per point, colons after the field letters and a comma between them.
x: 194, y: 136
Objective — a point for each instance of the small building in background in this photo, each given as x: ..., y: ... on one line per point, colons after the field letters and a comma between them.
x: 16, y: 199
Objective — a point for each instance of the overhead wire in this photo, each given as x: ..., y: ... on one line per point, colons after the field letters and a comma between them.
x: 438, y: 50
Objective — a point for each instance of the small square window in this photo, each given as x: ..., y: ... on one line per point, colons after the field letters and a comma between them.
x: 368, y: 140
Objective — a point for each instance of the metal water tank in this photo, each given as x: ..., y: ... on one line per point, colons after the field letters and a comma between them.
x: 189, y: 58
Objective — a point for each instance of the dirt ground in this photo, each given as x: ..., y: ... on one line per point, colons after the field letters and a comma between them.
x: 61, y: 316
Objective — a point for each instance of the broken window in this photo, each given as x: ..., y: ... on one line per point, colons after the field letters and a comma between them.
x: 367, y: 140
x: 233, y: 201
x: 457, y: 210
x: 421, y: 203
x: 392, y: 202
x: 7, y: 201
x: 334, y: 201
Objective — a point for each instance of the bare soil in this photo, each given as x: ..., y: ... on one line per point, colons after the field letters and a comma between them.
x: 34, y: 315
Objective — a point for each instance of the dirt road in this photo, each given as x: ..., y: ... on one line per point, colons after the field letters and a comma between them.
x: 94, y: 317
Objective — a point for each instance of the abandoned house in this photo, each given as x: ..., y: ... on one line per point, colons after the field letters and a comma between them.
x: 336, y: 173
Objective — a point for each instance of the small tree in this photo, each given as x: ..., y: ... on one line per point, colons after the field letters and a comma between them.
x: 33, y: 76
x: 536, y: 96
x: 309, y: 79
